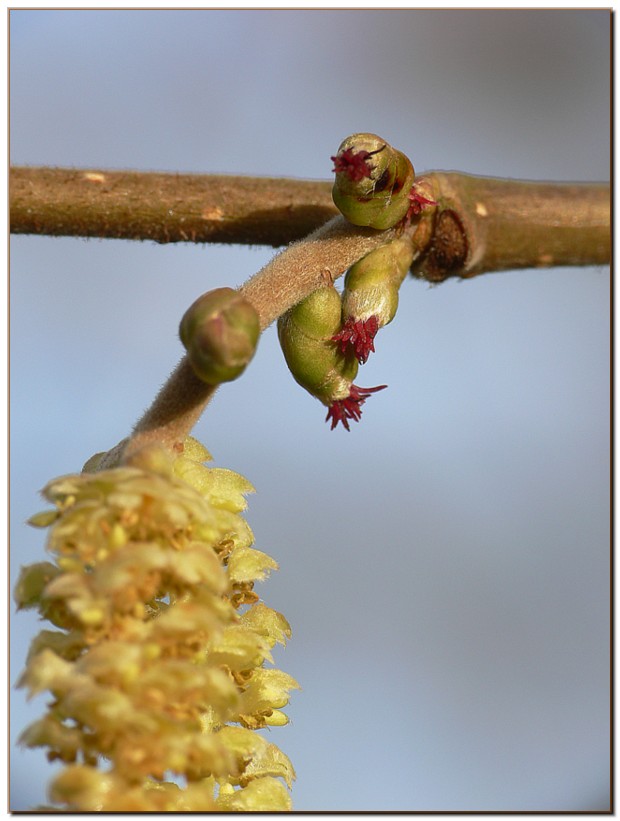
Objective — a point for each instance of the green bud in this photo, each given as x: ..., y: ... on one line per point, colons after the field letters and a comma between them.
x: 220, y: 332
x: 373, y: 181
x: 371, y: 285
x: 305, y: 334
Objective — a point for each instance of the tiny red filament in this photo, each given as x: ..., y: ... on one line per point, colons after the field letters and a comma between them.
x: 418, y: 203
x: 353, y: 164
x: 358, y: 335
x: 350, y: 408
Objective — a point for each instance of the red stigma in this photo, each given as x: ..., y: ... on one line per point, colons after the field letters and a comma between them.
x: 418, y: 203
x: 350, y: 408
x: 353, y: 164
x: 358, y: 335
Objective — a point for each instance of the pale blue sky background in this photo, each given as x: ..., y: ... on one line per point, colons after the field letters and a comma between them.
x: 445, y: 565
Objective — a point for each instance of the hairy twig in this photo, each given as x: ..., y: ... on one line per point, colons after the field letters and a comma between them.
x: 294, y: 273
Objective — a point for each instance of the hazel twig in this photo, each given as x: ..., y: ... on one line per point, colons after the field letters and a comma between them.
x: 479, y: 225
x: 283, y: 282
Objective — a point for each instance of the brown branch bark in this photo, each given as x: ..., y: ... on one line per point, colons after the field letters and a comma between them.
x: 503, y: 224
x: 485, y: 224
x: 166, y: 207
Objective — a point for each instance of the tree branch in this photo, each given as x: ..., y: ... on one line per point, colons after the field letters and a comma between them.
x: 486, y: 224
x: 479, y: 225
x: 509, y: 224
x: 166, y: 207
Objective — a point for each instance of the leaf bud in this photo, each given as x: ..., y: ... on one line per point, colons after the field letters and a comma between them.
x: 220, y: 332
x: 372, y: 182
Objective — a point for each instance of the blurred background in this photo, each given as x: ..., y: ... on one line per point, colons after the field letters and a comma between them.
x: 445, y: 565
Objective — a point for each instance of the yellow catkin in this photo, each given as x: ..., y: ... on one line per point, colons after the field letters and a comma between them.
x: 158, y: 666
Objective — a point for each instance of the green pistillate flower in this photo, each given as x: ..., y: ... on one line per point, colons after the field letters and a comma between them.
x: 370, y: 296
x: 220, y: 332
x: 158, y: 668
x: 306, y: 334
x: 373, y: 181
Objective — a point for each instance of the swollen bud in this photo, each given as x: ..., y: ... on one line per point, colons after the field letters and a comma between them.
x: 370, y: 296
x: 220, y: 332
x: 306, y: 334
x: 371, y: 285
x: 373, y: 181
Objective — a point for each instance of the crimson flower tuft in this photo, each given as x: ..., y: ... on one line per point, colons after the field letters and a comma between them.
x: 358, y: 335
x: 341, y: 410
x: 353, y: 163
x: 418, y: 203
